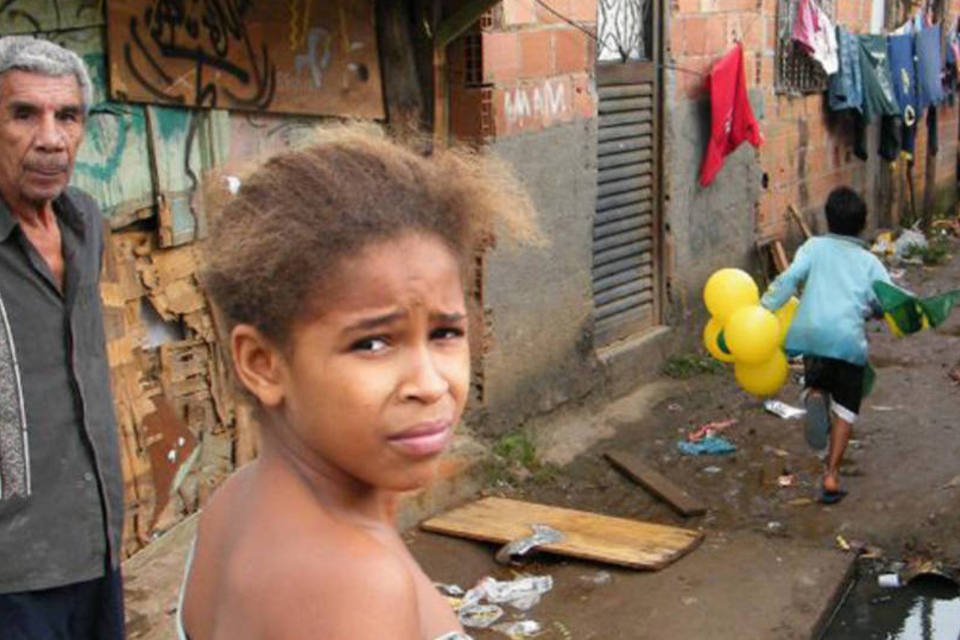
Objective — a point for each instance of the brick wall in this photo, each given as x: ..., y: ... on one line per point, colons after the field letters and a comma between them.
x: 535, y: 70
x: 807, y: 150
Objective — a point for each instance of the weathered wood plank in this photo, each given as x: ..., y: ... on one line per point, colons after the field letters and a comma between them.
x: 592, y: 536
x: 656, y: 483
x: 308, y: 57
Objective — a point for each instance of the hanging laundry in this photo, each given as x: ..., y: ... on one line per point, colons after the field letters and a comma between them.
x: 731, y: 118
x: 929, y: 64
x: 933, y: 131
x: 903, y: 72
x: 891, y: 137
x: 815, y: 35
x: 878, y: 98
x: 846, y: 86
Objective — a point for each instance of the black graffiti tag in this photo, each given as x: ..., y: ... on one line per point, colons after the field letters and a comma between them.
x: 212, y: 35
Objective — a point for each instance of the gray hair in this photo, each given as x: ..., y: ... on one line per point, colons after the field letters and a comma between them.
x: 26, y: 53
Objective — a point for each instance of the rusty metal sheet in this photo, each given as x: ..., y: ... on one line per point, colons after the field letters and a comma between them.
x: 301, y: 56
x: 171, y: 446
x: 33, y: 16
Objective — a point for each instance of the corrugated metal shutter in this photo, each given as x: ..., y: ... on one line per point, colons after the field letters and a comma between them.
x: 626, y: 226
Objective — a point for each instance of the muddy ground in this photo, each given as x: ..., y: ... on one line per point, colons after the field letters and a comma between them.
x: 902, y: 471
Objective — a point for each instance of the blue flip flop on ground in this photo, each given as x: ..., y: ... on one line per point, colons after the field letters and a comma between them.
x: 818, y: 420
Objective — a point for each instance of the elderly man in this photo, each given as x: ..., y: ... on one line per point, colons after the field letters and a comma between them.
x: 61, y: 490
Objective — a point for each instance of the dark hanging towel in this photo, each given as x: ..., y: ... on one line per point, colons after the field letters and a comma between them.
x: 878, y: 98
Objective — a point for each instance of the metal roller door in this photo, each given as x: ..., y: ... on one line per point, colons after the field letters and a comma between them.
x: 626, y: 226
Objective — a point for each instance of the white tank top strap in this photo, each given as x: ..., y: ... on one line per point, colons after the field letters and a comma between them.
x: 181, y: 632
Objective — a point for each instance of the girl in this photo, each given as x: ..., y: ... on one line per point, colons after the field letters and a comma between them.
x: 338, y: 276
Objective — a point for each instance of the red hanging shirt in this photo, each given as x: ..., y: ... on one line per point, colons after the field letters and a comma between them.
x: 731, y: 118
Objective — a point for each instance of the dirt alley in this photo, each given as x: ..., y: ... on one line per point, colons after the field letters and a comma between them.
x: 902, y: 471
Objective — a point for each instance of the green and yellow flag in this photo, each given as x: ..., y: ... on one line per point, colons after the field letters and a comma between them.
x: 906, y: 313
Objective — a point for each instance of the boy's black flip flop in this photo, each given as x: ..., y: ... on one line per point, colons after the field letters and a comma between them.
x: 831, y: 497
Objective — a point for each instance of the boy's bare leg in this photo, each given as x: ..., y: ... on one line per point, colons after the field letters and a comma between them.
x: 840, y: 432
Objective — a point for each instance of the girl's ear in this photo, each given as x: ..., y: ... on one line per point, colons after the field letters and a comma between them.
x: 259, y: 364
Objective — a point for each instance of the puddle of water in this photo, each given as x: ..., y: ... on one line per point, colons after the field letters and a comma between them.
x: 926, y: 609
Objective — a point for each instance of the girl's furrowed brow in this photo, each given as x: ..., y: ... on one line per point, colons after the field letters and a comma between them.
x: 374, y: 322
x: 452, y: 317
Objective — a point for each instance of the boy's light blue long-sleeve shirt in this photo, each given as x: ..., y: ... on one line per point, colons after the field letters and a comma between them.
x: 837, y: 274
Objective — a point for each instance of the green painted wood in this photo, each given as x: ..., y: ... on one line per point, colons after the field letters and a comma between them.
x: 113, y: 164
x: 32, y: 16
x: 186, y: 145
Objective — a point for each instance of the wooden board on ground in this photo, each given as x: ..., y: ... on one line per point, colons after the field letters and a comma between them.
x: 656, y: 483
x: 591, y: 536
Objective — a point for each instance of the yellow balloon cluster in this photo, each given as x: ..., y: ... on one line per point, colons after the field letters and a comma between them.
x: 744, y: 333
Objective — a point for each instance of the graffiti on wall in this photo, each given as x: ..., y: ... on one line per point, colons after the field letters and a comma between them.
x: 543, y: 102
x: 301, y: 56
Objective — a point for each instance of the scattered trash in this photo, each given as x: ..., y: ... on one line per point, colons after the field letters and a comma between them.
x: 562, y: 630
x: 787, y: 480
x: 800, y: 502
x: 842, y: 543
x: 909, y: 241
x: 883, y: 245
x: 712, y: 469
x: 688, y: 600
x: 515, y: 550
x: 450, y: 590
x: 953, y: 484
x: 674, y: 407
x: 883, y: 407
x: 522, y: 593
x: 709, y: 429
x: 897, y: 274
x: 776, y: 528
x: 519, y: 629
x: 479, y: 616
x: 784, y: 410
x: 710, y: 445
x: 889, y: 580
x: 599, y: 578
x: 881, y: 599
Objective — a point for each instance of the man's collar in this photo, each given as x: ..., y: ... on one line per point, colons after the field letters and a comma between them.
x: 7, y: 221
x: 63, y: 207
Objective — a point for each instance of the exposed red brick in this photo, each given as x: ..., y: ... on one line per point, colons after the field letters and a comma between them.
x: 501, y: 57
x: 465, y: 105
x: 582, y: 10
x: 572, y: 51
x: 518, y: 12
x: 536, y: 55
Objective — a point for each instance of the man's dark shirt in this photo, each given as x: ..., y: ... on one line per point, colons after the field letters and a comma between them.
x: 61, y: 485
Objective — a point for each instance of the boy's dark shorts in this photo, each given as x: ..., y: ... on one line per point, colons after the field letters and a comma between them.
x: 841, y: 379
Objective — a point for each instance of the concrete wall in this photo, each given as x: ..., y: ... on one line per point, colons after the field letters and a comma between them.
x: 533, y: 103
x: 539, y: 300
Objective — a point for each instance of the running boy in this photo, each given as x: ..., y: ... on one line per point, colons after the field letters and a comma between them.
x: 338, y: 273
x: 837, y: 273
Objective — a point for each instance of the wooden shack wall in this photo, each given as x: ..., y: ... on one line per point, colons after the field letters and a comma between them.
x: 181, y: 429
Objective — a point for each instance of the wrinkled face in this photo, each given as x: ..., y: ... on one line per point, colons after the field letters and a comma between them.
x: 374, y: 386
x: 41, y: 127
